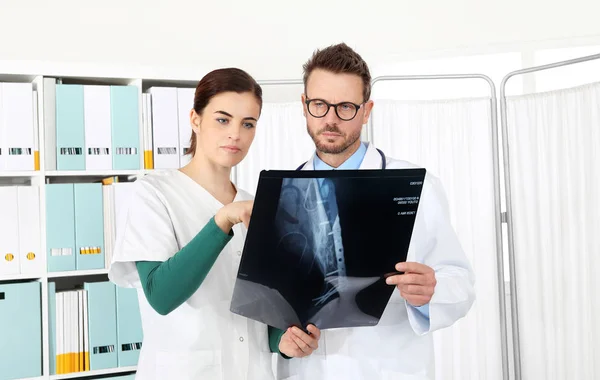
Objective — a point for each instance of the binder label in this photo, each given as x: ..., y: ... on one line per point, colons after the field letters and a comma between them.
x: 126, y: 151
x: 19, y: 151
x: 71, y: 151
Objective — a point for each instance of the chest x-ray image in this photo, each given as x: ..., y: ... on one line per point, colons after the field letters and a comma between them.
x: 319, y: 246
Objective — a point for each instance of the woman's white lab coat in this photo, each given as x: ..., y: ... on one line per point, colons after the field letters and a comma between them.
x: 400, y: 346
x: 201, y: 339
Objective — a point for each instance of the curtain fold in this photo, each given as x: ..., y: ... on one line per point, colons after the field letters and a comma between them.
x: 452, y: 139
x: 555, y: 185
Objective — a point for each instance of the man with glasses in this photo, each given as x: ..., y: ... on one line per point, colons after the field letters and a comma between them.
x: 435, y: 288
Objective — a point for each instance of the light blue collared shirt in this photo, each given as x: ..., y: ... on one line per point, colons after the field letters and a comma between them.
x: 353, y: 163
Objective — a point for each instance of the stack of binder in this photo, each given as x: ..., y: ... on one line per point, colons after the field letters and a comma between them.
x: 167, y: 128
x: 82, y: 223
x: 93, y: 127
x: 20, y: 238
x: 74, y: 227
x: 18, y: 127
x: 97, y: 327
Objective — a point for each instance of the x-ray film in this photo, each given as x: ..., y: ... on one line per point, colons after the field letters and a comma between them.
x: 321, y: 243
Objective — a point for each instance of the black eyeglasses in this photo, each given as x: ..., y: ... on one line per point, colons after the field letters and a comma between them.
x: 345, y: 111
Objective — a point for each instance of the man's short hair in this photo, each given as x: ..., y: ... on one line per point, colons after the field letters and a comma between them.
x: 339, y: 59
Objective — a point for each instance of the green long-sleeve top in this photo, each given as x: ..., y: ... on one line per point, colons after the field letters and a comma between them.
x: 169, y: 284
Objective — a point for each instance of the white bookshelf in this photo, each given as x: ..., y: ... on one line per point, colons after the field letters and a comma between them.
x: 78, y: 375
x: 92, y: 173
x: 47, y: 175
x: 76, y: 273
x: 41, y: 178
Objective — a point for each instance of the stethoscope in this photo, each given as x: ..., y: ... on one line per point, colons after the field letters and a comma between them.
x: 383, y: 164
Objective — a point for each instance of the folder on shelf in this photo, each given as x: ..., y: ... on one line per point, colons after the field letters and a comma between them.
x: 70, y: 127
x: 98, y: 141
x: 102, y: 324
x: 185, y: 103
x: 21, y: 332
x: 147, y: 131
x: 129, y: 327
x: 89, y: 226
x: 52, y: 327
x: 48, y: 122
x: 2, y: 133
x: 108, y: 209
x: 165, y: 127
x: 36, y: 132
x: 125, y: 120
x: 60, y: 227
x: 32, y: 259
x: 16, y: 114
x: 122, y: 193
x: 9, y: 231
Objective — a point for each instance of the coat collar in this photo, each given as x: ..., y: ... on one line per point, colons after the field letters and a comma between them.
x: 372, y: 159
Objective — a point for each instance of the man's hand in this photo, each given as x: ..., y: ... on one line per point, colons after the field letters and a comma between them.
x: 295, y: 343
x: 416, y: 285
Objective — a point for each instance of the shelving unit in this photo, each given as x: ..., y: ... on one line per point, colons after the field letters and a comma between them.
x: 47, y: 174
x: 88, y: 374
x: 43, y: 177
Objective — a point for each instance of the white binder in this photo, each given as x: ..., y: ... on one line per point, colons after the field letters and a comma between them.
x: 185, y: 103
x: 32, y: 258
x: 122, y: 194
x: 98, y: 140
x: 9, y: 231
x: 17, y: 119
x: 2, y: 138
x: 165, y: 134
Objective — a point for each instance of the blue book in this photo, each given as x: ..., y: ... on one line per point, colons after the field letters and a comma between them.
x: 89, y: 226
x: 21, y: 332
x: 60, y: 227
x: 129, y: 327
x: 102, y: 324
x: 125, y: 127
x: 70, y: 127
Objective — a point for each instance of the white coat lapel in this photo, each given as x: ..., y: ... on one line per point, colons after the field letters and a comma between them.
x: 372, y: 158
x: 310, y: 164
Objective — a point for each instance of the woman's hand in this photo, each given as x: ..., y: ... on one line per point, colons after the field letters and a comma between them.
x: 234, y: 213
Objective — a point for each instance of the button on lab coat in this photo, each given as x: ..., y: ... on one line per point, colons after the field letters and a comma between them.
x: 201, y: 339
x: 401, y: 345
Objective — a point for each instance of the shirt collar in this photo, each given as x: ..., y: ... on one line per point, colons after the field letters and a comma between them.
x: 352, y: 163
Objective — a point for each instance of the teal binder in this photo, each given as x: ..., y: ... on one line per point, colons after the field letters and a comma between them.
x: 52, y: 326
x: 129, y: 327
x: 89, y: 226
x: 60, y: 227
x: 125, y: 127
x: 21, y: 330
x: 102, y: 324
x: 70, y: 127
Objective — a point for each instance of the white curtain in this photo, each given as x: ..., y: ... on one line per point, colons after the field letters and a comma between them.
x: 452, y: 140
x: 281, y: 142
x: 554, y: 142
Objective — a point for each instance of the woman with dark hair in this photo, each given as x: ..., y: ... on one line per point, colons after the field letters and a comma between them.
x: 181, y: 246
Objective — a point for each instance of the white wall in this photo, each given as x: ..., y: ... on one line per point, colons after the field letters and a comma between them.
x: 269, y: 38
